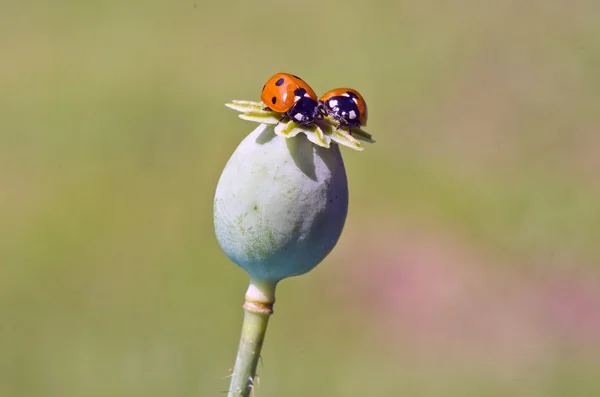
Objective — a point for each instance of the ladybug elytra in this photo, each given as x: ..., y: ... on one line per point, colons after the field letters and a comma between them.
x: 290, y: 95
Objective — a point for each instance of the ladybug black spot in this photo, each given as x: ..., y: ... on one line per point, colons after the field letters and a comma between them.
x: 279, y: 82
x: 274, y: 100
x: 351, y: 94
x: 299, y: 92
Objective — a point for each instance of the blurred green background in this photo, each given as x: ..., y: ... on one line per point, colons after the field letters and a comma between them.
x: 469, y: 265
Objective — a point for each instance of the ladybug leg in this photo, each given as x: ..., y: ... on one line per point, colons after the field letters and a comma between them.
x: 343, y: 123
x: 338, y: 126
x: 322, y: 112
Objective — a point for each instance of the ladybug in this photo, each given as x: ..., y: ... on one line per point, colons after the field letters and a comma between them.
x: 346, y: 106
x: 290, y: 95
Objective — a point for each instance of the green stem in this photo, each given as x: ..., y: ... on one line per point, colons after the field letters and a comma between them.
x: 257, y: 309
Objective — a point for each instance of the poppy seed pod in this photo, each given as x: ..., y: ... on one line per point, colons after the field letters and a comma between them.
x: 280, y: 204
x: 279, y: 209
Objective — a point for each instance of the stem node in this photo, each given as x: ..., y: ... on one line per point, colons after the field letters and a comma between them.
x: 258, y: 307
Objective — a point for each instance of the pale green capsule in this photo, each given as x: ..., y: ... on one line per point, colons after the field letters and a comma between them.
x: 281, y: 204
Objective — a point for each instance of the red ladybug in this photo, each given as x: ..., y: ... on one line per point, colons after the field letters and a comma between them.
x: 346, y: 106
x: 290, y: 95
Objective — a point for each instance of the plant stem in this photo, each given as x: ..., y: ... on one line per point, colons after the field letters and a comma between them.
x: 257, y: 309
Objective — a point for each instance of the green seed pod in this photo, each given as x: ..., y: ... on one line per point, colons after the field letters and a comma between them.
x: 280, y: 204
x: 280, y: 207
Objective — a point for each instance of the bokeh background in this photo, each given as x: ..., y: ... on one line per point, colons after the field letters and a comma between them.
x: 469, y: 265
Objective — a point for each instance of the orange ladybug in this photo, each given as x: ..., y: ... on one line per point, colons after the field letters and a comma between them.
x: 290, y: 95
x: 345, y: 105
